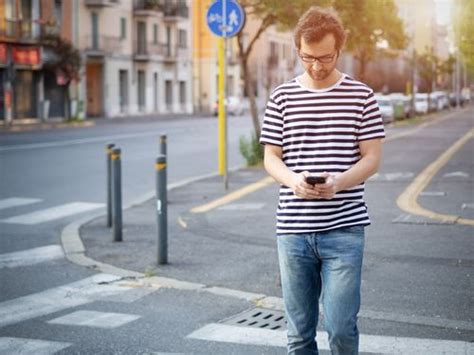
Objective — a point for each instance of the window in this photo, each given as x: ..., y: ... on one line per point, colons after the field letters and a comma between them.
x: 58, y: 12
x: 155, y: 33
x: 95, y: 30
x: 169, y: 94
x: 123, y: 28
x: 123, y: 90
x: 182, y: 93
x: 141, y: 90
x: 182, y: 39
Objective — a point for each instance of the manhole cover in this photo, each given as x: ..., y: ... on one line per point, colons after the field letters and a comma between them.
x: 259, y: 318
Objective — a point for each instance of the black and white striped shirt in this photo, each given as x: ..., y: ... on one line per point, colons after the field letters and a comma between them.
x: 319, y: 131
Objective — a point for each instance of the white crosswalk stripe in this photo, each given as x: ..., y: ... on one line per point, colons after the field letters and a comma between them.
x: 30, y: 346
x: 31, y: 256
x: 95, y: 319
x: 97, y: 287
x: 367, y: 343
x: 53, y: 213
x: 16, y: 202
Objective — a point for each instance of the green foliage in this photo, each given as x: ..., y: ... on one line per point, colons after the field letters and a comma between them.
x: 463, y: 16
x: 251, y: 150
x: 370, y: 23
x: 65, y: 59
x: 430, y: 66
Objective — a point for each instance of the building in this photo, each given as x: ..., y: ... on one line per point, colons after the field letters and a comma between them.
x: 137, y: 57
x: 25, y: 84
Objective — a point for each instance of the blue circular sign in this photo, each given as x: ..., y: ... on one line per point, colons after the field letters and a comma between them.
x: 225, y: 18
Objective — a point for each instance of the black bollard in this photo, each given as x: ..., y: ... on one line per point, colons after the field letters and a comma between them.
x: 109, y: 148
x: 162, y: 209
x: 117, y: 194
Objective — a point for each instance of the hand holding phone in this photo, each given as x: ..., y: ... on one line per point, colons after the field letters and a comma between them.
x: 313, y: 180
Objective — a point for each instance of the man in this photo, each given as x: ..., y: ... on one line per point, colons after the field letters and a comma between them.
x: 326, y: 124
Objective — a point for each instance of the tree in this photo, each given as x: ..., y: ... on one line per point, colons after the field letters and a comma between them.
x: 65, y: 61
x: 371, y: 25
x: 284, y: 14
x: 464, y: 29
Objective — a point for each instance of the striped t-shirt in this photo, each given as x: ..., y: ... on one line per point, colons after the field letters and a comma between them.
x: 319, y: 131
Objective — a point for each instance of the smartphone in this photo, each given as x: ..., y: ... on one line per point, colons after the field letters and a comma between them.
x: 313, y: 180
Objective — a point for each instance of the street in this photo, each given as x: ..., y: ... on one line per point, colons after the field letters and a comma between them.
x: 417, y: 278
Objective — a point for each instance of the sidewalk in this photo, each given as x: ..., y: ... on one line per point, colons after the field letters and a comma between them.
x: 230, y: 246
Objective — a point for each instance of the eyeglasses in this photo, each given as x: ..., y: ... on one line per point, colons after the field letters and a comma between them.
x: 323, y: 60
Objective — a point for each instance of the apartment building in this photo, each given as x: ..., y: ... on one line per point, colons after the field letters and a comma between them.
x: 25, y: 82
x: 137, y: 57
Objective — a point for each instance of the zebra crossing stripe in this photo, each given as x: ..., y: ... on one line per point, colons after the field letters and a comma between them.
x: 30, y: 346
x: 16, y: 202
x: 367, y: 343
x: 31, y: 256
x: 97, y: 287
x: 53, y: 213
x: 96, y: 319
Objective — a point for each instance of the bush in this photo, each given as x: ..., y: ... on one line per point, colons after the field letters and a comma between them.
x: 251, y: 150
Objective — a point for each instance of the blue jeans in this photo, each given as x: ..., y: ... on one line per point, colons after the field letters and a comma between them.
x: 329, y: 262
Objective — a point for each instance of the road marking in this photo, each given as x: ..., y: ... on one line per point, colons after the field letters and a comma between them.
x: 31, y: 256
x: 234, y: 195
x: 407, y: 201
x: 433, y: 193
x: 53, y: 213
x: 95, y: 319
x: 16, y: 202
x: 97, y: 287
x: 367, y: 343
x: 241, y: 207
x: 30, y: 346
x: 454, y: 174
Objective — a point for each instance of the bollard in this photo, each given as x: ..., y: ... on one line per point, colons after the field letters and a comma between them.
x: 117, y: 194
x: 162, y: 209
x: 109, y: 148
x: 163, y: 144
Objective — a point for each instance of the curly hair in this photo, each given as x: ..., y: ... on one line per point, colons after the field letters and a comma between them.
x: 316, y: 23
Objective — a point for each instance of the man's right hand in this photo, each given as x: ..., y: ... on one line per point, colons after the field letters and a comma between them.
x: 302, y: 189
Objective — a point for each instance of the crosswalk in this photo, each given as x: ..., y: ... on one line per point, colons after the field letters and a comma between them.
x: 41, y: 215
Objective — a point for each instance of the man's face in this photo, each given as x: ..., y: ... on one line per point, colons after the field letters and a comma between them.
x: 319, y: 58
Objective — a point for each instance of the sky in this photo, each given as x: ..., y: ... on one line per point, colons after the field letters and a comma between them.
x: 443, y: 11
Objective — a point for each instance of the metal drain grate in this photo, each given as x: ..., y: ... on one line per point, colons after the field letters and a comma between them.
x: 259, y: 318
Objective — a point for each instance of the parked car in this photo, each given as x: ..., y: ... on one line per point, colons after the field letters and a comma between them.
x: 421, y: 103
x: 386, y: 108
x: 441, y: 99
x: 400, y: 99
x: 233, y: 105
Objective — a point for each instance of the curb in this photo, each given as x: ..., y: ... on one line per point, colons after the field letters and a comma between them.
x: 46, y: 126
x: 74, y: 251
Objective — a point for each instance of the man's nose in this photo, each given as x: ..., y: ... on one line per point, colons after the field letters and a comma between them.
x: 316, y: 65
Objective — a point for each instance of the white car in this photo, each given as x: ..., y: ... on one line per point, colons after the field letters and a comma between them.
x: 421, y: 103
x: 386, y: 108
x: 233, y: 105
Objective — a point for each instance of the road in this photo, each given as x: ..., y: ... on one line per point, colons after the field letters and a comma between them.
x: 50, y: 178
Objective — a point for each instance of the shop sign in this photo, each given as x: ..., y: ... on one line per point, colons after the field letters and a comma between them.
x: 26, y: 55
x: 3, y: 53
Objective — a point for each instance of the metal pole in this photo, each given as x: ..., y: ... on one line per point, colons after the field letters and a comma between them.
x: 117, y: 195
x: 162, y: 209
x: 109, y: 148
x: 163, y: 144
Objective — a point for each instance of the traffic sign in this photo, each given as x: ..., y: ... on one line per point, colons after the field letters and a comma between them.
x: 225, y: 18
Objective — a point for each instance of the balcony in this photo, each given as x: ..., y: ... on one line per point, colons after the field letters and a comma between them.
x: 147, y: 7
x: 20, y: 31
x: 173, y: 12
x: 100, y: 3
x: 101, y: 46
x: 175, y: 54
x: 145, y: 52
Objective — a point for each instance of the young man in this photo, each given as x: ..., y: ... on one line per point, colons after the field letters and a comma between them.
x: 326, y: 124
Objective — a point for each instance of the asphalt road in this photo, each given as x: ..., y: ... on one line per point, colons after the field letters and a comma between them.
x: 416, y: 271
